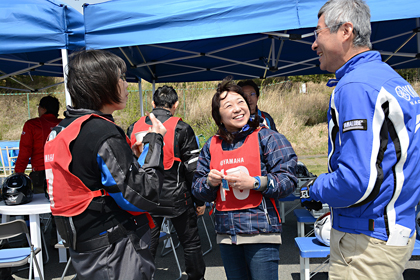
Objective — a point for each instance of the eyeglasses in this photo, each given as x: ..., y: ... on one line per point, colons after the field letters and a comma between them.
x: 316, y: 31
x: 122, y: 77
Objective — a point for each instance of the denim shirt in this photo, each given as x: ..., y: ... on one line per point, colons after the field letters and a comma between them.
x: 278, y: 163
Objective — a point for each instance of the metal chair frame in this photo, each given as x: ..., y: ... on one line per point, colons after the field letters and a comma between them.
x: 165, y: 234
x: 13, y: 229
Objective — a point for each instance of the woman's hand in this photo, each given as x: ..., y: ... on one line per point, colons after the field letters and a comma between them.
x: 240, y: 180
x: 157, y: 126
x: 215, y: 177
x: 137, y: 148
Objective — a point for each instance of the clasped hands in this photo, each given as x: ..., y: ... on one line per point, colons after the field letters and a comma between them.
x: 239, y: 180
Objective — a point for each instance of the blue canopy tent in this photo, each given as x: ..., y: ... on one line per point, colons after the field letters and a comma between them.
x: 36, y: 36
x: 185, y: 41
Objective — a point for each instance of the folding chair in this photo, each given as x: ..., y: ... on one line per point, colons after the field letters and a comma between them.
x: 165, y: 235
x: 60, y: 245
x: 18, y: 256
x: 211, y: 216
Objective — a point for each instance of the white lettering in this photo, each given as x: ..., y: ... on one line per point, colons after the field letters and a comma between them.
x: 231, y: 161
x: 50, y: 179
x: 417, y: 123
x: 407, y: 92
x: 49, y: 158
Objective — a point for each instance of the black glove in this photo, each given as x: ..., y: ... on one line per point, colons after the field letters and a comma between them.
x: 305, y: 200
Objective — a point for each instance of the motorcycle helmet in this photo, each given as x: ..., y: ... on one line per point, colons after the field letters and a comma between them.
x: 322, y: 228
x: 17, y: 189
x: 302, y: 171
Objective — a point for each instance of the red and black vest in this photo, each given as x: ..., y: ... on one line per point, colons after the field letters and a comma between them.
x: 68, y: 195
x: 168, y: 139
x: 247, y: 158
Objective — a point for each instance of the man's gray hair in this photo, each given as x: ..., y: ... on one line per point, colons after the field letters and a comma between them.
x: 338, y: 12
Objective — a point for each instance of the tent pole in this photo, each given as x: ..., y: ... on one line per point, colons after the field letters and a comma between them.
x: 65, y: 60
x: 29, y: 110
x: 141, y: 98
x: 418, y: 36
x: 153, y: 92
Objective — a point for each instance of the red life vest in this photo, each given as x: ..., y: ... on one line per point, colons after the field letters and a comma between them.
x: 247, y: 158
x: 68, y: 195
x: 168, y: 139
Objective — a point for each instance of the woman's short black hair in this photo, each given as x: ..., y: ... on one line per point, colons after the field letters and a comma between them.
x: 51, y: 104
x: 165, y: 97
x: 227, y: 85
x: 92, y: 78
x: 252, y: 84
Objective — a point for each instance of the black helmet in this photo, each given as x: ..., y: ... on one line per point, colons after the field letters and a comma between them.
x: 302, y: 171
x: 17, y: 189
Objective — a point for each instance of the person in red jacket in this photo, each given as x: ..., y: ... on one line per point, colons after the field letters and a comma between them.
x: 34, y: 135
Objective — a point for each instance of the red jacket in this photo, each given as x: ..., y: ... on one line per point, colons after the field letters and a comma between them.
x: 34, y: 135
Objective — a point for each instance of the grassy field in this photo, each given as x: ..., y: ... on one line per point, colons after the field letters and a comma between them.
x: 301, y: 117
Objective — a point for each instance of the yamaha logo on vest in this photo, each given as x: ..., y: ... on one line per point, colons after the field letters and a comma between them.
x: 231, y: 161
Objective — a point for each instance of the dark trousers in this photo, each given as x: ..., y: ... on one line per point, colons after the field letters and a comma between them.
x: 127, y: 259
x: 187, y: 230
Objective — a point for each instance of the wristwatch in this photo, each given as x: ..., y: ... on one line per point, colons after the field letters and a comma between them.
x: 257, y: 183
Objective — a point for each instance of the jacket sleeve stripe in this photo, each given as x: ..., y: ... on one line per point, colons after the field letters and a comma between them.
x: 396, y: 116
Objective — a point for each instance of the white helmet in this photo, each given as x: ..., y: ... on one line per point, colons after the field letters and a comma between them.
x: 322, y: 228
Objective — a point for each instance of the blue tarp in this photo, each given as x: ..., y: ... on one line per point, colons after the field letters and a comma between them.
x: 32, y: 34
x: 184, y: 40
x: 12, y: 152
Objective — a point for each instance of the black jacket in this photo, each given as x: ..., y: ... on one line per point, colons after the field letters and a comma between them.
x: 175, y: 197
x: 101, y: 144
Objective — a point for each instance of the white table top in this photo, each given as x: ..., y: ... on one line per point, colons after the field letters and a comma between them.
x: 38, y: 205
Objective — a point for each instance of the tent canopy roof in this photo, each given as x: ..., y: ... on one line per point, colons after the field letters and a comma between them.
x: 33, y: 32
x: 184, y: 40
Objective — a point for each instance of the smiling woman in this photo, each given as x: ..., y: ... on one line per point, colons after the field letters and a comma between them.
x: 245, y: 168
x: 230, y: 110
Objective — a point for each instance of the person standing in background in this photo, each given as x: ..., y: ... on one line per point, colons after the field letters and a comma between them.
x: 373, y: 182
x: 34, y: 135
x: 252, y: 93
x: 180, y: 161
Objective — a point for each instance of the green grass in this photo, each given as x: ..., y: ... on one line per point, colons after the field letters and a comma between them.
x: 315, y: 164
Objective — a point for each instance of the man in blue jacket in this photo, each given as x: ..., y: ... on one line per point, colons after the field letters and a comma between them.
x: 372, y: 186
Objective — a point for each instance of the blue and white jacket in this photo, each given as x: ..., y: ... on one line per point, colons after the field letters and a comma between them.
x: 373, y: 184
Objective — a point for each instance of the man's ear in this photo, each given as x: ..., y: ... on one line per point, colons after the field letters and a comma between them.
x: 347, y: 29
x: 175, y: 105
x: 153, y: 104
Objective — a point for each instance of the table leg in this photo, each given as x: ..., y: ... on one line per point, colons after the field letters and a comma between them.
x: 304, y: 269
x: 299, y: 229
x: 282, y: 216
x: 4, y: 218
x: 35, y: 227
x: 62, y: 252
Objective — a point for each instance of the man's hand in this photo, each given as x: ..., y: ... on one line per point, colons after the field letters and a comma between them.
x: 305, y: 200
x: 157, y: 126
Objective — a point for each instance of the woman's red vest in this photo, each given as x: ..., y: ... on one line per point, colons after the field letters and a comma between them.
x: 247, y: 158
x: 68, y: 195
